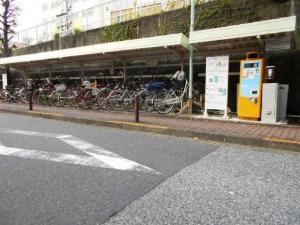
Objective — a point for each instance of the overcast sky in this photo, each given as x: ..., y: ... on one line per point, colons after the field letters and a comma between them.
x: 30, y: 11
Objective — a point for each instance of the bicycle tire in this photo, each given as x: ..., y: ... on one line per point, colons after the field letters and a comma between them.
x: 102, y: 98
x: 89, y: 100
x: 115, y: 100
x: 129, y: 100
x: 159, y: 100
x: 146, y: 100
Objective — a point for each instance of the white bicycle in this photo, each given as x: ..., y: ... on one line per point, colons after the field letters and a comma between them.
x: 165, y: 102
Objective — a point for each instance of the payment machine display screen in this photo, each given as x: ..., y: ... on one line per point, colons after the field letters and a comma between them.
x: 251, y: 65
x: 251, y: 79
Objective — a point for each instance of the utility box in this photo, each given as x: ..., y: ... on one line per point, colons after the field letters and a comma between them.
x: 274, y: 103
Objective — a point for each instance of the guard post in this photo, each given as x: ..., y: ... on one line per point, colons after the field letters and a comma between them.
x: 30, y: 91
x: 137, y: 108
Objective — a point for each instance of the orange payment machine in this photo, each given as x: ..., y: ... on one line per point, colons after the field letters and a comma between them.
x: 250, y: 88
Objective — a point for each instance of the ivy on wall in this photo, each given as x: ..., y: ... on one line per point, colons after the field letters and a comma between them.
x: 177, y: 22
x: 222, y: 13
x: 181, y: 25
x: 213, y: 14
x: 120, y: 31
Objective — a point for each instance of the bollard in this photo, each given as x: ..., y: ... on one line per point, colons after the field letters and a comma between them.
x: 30, y: 87
x: 30, y: 100
x: 137, y: 108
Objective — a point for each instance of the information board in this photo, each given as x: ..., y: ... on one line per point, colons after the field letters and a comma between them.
x: 216, y: 91
x: 278, y: 44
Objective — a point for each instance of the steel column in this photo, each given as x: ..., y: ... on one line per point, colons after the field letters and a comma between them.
x: 191, y: 71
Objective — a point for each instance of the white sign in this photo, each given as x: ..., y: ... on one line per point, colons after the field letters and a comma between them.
x: 278, y: 43
x: 4, y: 80
x: 216, y: 93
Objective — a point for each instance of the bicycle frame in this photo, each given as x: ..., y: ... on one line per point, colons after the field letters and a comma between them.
x: 178, y: 99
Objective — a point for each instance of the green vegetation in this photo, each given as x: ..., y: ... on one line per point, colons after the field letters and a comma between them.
x: 222, y: 13
x: 120, y: 31
x: 77, y: 30
x: 56, y: 35
x: 181, y: 25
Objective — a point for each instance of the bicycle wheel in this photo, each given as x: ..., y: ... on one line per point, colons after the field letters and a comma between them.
x: 35, y: 97
x: 2, y: 96
x: 102, y: 98
x: 71, y: 99
x: 146, y: 100
x: 129, y: 100
x: 62, y: 98
x: 23, y: 98
x: 89, y: 100
x: 115, y: 100
x: 163, y: 102
x: 44, y: 97
x: 53, y: 98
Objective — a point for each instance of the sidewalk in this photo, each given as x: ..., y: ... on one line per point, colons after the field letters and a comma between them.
x: 228, y: 186
x: 282, y: 137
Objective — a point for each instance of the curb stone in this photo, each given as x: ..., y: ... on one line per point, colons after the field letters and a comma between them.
x: 166, y: 131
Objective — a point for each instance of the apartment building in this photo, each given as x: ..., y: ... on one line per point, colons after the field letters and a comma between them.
x: 61, y: 17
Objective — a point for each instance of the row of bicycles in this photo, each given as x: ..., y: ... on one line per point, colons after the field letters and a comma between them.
x: 153, y: 96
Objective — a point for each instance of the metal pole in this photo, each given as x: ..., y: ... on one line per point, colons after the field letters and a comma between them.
x: 137, y: 108
x: 30, y: 98
x: 30, y: 87
x: 191, y: 72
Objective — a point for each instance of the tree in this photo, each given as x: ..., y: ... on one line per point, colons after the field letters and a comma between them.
x: 8, y: 14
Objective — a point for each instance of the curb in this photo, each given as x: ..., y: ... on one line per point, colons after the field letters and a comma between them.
x: 187, y: 117
x: 165, y: 131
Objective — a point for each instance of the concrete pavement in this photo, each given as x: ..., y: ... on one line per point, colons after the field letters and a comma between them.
x: 233, y: 185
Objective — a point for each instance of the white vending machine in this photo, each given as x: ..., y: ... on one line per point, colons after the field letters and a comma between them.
x: 274, y: 102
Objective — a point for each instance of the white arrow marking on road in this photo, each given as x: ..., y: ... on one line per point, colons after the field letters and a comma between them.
x: 98, y: 157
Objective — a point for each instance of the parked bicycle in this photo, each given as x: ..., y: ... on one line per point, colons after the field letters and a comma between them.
x: 162, y: 96
x: 166, y: 101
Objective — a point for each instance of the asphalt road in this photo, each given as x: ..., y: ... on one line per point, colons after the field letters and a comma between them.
x: 54, y: 173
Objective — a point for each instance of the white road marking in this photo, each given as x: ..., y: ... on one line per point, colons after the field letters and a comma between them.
x: 98, y: 157
x: 51, y: 156
x: 28, y: 133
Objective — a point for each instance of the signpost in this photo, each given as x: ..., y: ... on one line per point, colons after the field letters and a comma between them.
x: 216, y: 91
